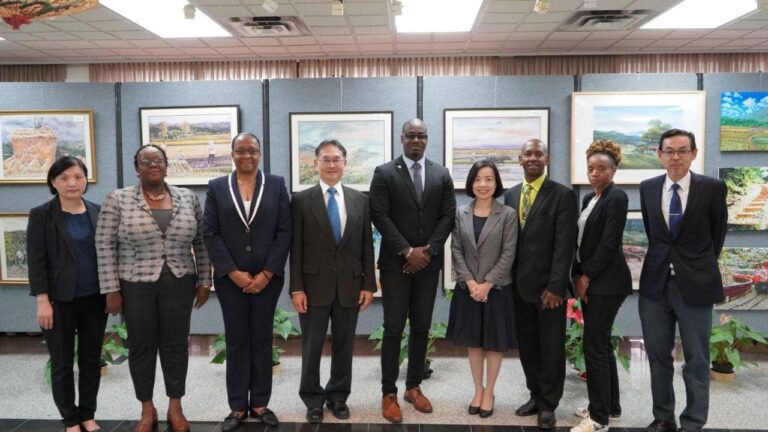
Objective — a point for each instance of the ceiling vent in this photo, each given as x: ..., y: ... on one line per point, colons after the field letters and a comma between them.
x: 266, y: 26
x: 599, y: 20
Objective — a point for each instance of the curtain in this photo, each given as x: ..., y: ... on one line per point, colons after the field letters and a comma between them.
x: 33, y: 73
x: 391, y: 67
x: 189, y: 71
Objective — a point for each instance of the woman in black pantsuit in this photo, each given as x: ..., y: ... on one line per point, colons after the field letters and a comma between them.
x: 602, y: 281
x: 63, y: 277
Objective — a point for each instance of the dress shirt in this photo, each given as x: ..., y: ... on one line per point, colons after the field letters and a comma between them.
x: 666, y: 194
x: 409, y: 163
x: 535, y: 187
x: 339, y: 201
x: 583, y: 221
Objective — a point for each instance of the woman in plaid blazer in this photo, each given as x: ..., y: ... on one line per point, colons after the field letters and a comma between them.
x: 153, y: 265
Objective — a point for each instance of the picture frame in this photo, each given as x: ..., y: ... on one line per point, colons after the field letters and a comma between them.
x: 32, y: 140
x: 496, y: 134
x: 197, y: 139
x: 747, y: 197
x: 635, y: 121
x: 743, y: 122
x: 745, y: 278
x: 367, y: 136
x: 635, y: 245
x: 13, y: 248
x: 449, y: 276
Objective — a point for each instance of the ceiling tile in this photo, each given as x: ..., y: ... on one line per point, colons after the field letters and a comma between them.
x: 42, y: 45
x: 113, y: 44
x: 494, y: 28
x: 371, y: 30
x: 345, y: 49
x: 19, y: 36
x: 261, y: 41
x: 113, y: 26
x: 326, y: 21
x: 552, y: 17
x: 304, y: 49
x: 313, y: 9
x: 37, y: 27
x: 94, y: 35
x: 647, y: 34
x: 670, y: 43
x: 369, y: 20
x: 234, y: 50
x: 707, y: 43
x: 269, y: 50
x: 746, y: 25
x: 609, y: 35
x: 509, y: 6
x: 726, y: 34
x: 96, y: 52
x: 336, y: 40
x: 484, y: 45
x: 376, y: 48
x: 128, y: 51
x: 10, y: 46
x: 521, y: 44
x: 502, y: 18
x: 77, y: 44
x: 71, y: 26
x: 166, y: 51
x: 100, y: 13
x: 458, y: 46
x: 558, y: 44
x: 451, y: 37
x: 632, y: 43
x: 57, y: 36
x: 366, y: 8
x: 156, y: 43
x: 758, y: 34
x: 688, y: 34
x: 497, y: 37
x: 412, y: 46
x: 187, y: 43
x: 537, y: 27
x: 739, y: 43
x: 373, y: 39
x: 222, y: 42
x: 567, y: 35
x: 298, y: 40
x: 132, y: 35
x: 224, y: 11
x: 331, y: 31
x: 200, y: 51
x: 594, y: 44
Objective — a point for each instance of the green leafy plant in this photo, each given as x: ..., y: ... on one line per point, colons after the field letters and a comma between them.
x: 574, y: 339
x: 728, y: 338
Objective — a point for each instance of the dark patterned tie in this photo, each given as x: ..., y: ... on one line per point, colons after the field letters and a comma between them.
x: 416, y: 168
x: 675, y: 211
x: 333, y: 214
x: 526, y: 207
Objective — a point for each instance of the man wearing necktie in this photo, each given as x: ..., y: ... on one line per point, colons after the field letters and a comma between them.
x: 546, y: 240
x: 413, y: 205
x: 332, y: 278
x: 685, y: 217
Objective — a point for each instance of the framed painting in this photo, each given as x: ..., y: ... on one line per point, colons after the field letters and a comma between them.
x: 367, y: 136
x: 743, y: 121
x: 635, y: 245
x: 376, y: 251
x: 635, y: 121
x: 449, y: 276
x: 33, y: 140
x: 197, y: 140
x: 745, y: 278
x: 747, y: 198
x: 13, y: 248
x: 493, y: 134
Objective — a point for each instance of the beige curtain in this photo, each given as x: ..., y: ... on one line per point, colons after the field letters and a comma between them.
x: 188, y: 71
x: 33, y: 73
x: 390, y: 67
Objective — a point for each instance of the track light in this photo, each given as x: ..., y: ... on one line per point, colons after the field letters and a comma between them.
x: 541, y: 6
x: 189, y: 11
x: 269, y: 6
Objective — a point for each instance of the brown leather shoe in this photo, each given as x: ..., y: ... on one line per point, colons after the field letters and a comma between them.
x: 419, y: 401
x: 390, y: 409
x: 177, y: 422
x: 147, y: 424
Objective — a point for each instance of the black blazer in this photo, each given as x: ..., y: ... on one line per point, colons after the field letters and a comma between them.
x: 266, y: 242
x: 320, y: 267
x: 601, y: 251
x: 546, y: 243
x: 402, y: 221
x: 51, y: 252
x: 694, y: 251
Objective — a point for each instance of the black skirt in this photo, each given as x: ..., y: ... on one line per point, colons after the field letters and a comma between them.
x: 489, y: 325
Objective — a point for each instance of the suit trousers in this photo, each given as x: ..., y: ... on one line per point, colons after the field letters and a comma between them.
x: 695, y: 324
x: 157, y: 316
x: 410, y: 297
x: 84, y: 317
x: 603, y: 379
x: 248, y: 336
x: 314, y: 326
x: 541, y: 341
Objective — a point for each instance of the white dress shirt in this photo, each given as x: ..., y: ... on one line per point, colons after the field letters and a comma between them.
x: 339, y: 201
x: 583, y: 221
x: 666, y: 194
x: 409, y: 163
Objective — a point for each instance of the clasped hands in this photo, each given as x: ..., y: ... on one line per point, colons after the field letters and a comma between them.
x: 479, y: 291
x: 418, y: 258
x: 114, y: 299
x: 300, y: 304
x: 250, y: 284
x: 581, y: 284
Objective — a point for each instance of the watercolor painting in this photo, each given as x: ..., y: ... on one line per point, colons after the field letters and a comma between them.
x: 744, y: 121
x: 747, y: 198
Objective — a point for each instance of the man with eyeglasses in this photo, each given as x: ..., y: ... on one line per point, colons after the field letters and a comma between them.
x: 332, y: 278
x: 685, y: 218
x: 413, y: 205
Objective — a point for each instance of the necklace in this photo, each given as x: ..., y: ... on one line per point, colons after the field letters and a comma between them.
x: 240, y: 182
x: 154, y: 197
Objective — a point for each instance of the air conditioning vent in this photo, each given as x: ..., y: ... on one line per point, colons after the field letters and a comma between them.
x: 266, y: 26
x: 599, y: 20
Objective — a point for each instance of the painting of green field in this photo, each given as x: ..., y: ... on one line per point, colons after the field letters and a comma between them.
x: 744, y: 121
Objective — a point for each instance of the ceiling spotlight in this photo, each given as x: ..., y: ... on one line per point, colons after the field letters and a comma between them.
x: 397, y: 8
x: 270, y: 6
x: 189, y: 11
x: 337, y: 7
x: 541, y: 6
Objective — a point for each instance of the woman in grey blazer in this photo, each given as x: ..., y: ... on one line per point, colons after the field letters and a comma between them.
x: 145, y: 241
x: 483, y: 247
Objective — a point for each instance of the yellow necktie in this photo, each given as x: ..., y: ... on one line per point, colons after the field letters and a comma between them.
x: 526, y: 207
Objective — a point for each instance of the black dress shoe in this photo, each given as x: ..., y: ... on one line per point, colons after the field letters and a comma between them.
x: 315, y: 415
x: 616, y: 414
x: 527, y: 409
x: 661, y: 426
x: 339, y: 409
x: 233, y: 421
x: 546, y: 420
x: 267, y: 417
x: 473, y: 410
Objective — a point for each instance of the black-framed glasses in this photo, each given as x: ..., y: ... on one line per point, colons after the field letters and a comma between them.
x: 669, y: 154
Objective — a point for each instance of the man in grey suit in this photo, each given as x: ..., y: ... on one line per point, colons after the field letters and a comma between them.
x: 413, y: 205
x: 685, y: 217
x: 545, y: 244
x: 332, y: 277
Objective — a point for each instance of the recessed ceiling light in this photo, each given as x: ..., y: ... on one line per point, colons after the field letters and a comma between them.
x: 437, y: 16
x: 166, y: 18
x: 701, y: 14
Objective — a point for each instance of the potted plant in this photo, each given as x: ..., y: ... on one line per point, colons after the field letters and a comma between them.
x: 574, y: 341
x: 728, y: 338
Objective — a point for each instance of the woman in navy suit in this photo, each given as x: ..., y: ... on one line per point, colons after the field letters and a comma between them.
x: 63, y: 277
x: 602, y: 281
x: 247, y: 229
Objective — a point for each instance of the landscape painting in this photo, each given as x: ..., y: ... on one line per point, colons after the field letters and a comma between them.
x: 197, y: 140
x: 747, y: 198
x: 493, y: 134
x: 367, y: 138
x: 635, y: 245
x: 13, y: 248
x: 744, y: 121
x: 635, y: 121
x: 33, y: 140
x: 745, y: 278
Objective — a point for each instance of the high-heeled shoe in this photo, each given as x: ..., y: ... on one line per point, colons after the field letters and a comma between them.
x: 473, y: 410
x: 146, y: 425
x: 487, y: 413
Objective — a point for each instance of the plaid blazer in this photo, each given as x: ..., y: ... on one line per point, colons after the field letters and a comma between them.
x: 131, y: 247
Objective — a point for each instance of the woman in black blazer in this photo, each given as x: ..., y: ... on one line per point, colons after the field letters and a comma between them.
x: 63, y: 277
x: 602, y: 281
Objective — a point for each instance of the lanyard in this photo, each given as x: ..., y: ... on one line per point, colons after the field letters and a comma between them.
x: 258, y: 201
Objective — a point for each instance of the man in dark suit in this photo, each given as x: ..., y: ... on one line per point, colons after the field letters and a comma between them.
x: 685, y: 218
x: 332, y: 277
x: 413, y: 205
x: 545, y: 244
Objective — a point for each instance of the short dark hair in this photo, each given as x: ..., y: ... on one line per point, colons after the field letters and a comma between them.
x: 62, y: 164
x: 416, y: 122
x: 245, y: 134
x: 330, y: 142
x: 136, y: 155
x: 476, y: 167
x: 677, y: 132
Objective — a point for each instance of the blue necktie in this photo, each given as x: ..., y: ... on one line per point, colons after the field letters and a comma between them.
x: 675, y: 211
x: 333, y: 214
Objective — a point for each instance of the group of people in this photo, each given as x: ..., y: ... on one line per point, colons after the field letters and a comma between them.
x: 148, y: 249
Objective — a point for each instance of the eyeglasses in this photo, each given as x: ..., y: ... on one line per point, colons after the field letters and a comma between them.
x: 150, y: 162
x: 330, y: 162
x: 412, y: 136
x: 669, y: 154
x: 249, y: 152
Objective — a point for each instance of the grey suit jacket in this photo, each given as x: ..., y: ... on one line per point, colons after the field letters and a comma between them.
x: 491, y: 257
